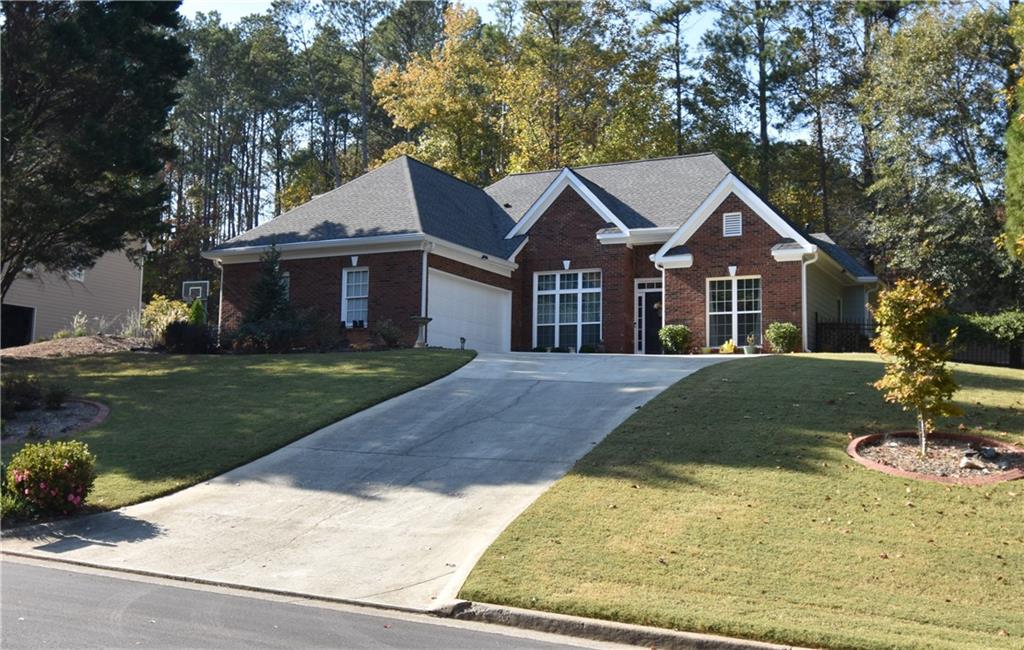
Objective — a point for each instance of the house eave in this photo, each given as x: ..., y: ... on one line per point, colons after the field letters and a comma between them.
x: 395, y: 243
x: 637, y: 236
x: 673, y: 261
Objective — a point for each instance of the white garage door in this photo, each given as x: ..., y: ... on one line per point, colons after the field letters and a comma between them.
x: 464, y: 308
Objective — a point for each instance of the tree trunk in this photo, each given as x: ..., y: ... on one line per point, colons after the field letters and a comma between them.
x: 822, y: 170
x: 922, y: 434
x: 677, y: 55
x: 762, y: 97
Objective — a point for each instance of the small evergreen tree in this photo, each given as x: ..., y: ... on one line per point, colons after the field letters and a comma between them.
x: 268, y: 301
x: 197, y: 313
x: 916, y: 374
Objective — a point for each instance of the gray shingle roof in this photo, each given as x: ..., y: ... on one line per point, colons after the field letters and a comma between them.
x: 407, y: 196
x: 841, y: 256
x: 402, y: 196
x: 642, y: 194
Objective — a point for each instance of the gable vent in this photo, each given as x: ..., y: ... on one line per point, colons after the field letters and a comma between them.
x: 732, y: 224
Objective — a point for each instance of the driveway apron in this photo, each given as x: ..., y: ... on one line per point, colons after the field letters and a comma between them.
x: 393, y: 505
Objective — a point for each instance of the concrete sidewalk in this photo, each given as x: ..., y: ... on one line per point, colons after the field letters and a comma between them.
x: 393, y: 505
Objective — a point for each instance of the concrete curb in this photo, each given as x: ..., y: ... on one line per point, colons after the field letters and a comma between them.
x: 598, y: 630
x: 313, y: 598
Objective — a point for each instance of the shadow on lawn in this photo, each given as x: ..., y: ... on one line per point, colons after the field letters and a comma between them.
x: 793, y: 413
x: 790, y: 413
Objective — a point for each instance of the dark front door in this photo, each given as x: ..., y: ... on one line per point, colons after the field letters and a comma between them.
x: 652, y: 322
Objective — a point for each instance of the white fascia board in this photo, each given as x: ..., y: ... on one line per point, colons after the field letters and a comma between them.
x: 472, y: 257
x: 676, y: 261
x: 792, y: 254
x: 638, y: 236
x: 321, y: 248
x: 732, y: 184
x: 564, y: 179
x: 519, y: 249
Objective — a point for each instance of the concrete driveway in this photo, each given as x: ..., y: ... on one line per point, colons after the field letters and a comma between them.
x: 393, y: 505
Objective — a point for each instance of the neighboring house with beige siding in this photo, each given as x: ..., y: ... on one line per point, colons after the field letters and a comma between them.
x: 39, y: 304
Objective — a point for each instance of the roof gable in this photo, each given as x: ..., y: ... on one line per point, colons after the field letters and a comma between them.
x: 565, y: 179
x: 654, y: 193
x: 731, y: 184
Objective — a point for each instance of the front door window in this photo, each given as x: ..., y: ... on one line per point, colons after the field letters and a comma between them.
x: 567, y: 306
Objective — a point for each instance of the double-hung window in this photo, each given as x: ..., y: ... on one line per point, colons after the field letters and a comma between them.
x: 734, y: 310
x: 567, y: 308
x: 355, y: 293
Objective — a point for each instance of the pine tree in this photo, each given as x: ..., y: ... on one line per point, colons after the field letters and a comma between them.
x: 267, y: 299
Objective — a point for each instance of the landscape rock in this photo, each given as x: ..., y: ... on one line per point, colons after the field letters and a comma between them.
x: 967, y: 462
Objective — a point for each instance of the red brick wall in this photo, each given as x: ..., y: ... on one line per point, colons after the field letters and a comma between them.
x: 568, y: 231
x: 471, y: 272
x: 395, y: 281
x: 685, y: 299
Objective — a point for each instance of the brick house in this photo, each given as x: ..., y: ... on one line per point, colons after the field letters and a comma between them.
x: 597, y: 257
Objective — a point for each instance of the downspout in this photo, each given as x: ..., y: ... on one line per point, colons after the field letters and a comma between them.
x: 664, y: 311
x: 803, y: 291
x: 427, y: 247
x: 220, y: 299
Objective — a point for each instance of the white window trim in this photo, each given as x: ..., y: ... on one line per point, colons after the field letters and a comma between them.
x: 725, y: 222
x: 735, y: 305
x: 345, y: 297
x: 558, y: 292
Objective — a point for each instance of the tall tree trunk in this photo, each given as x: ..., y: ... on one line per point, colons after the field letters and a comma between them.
x: 819, y: 131
x: 762, y: 96
x: 867, y: 155
x: 677, y: 55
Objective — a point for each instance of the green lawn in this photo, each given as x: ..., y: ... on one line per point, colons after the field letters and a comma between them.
x: 728, y: 505
x: 177, y: 420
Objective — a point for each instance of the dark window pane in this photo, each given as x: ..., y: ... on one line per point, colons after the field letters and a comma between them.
x: 567, y: 336
x: 748, y: 324
x: 721, y: 329
x: 546, y: 336
x: 591, y: 334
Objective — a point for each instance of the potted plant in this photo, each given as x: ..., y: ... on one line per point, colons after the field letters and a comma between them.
x: 728, y: 347
x: 751, y: 346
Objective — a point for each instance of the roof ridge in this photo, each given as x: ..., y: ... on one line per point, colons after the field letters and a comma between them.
x: 613, y: 163
x: 439, y: 170
x: 412, y: 191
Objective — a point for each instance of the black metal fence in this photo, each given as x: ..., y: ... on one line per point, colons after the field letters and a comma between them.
x: 852, y: 336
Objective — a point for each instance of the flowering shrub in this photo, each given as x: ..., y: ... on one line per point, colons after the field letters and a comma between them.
x: 52, y: 477
x: 161, y: 312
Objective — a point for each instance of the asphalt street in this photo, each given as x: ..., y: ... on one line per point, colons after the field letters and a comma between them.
x: 44, y: 607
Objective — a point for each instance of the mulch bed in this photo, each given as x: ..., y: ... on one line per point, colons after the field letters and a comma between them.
x: 76, y: 415
x: 75, y: 347
x: 898, y: 454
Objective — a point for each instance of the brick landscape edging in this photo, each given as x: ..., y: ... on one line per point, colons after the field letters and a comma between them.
x: 853, y: 449
x: 102, y: 411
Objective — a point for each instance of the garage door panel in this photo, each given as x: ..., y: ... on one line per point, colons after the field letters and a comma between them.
x: 464, y: 308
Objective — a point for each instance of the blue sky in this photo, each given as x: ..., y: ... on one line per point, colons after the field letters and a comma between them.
x: 232, y: 10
